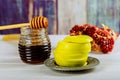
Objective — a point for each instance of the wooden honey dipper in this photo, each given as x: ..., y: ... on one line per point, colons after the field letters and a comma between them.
x: 39, y: 22
x: 35, y: 23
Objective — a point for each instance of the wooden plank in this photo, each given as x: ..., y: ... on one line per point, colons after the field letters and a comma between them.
x: 70, y: 12
x: 106, y: 12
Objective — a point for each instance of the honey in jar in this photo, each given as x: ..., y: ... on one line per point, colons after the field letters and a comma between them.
x: 34, y: 45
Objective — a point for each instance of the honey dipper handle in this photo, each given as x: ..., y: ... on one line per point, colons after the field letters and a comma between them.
x: 14, y: 26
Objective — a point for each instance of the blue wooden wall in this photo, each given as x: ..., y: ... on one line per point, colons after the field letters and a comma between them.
x: 19, y: 11
x: 104, y: 12
x: 96, y: 12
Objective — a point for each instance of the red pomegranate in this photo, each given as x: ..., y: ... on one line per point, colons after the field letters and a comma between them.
x: 103, y: 38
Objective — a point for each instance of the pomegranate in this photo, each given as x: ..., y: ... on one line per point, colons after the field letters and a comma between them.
x: 103, y: 38
x: 110, y: 31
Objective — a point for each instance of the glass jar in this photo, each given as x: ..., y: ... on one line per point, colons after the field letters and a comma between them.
x: 34, y: 45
